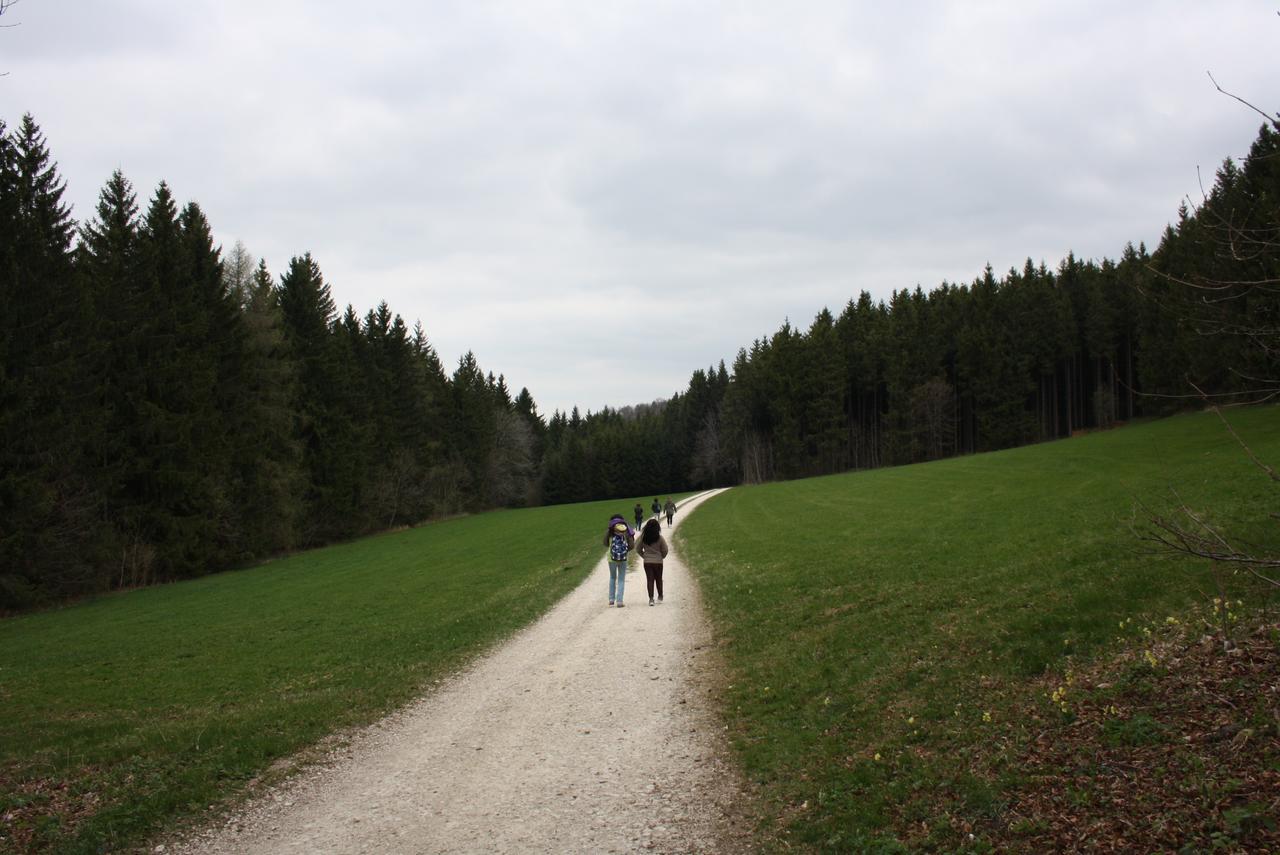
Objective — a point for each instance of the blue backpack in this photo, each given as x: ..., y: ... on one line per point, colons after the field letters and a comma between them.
x: 618, y: 548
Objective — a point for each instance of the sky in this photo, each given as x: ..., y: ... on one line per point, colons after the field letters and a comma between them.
x: 597, y: 198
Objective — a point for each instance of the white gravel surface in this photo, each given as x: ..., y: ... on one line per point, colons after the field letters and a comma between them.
x: 591, y: 731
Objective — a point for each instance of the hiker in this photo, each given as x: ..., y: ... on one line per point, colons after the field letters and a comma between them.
x: 639, y: 511
x: 656, y: 507
x: 619, y: 539
x: 652, y: 548
x: 670, y: 508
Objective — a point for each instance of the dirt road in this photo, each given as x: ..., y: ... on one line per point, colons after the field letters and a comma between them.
x: 590, y: 731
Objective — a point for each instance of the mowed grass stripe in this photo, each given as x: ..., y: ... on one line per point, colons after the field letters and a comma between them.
x: 123, y: 713
x: 885, y: 612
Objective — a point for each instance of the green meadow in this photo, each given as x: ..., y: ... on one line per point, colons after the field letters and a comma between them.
x: 124, y: 714
x: 884, y: 634
x: 884, y: 631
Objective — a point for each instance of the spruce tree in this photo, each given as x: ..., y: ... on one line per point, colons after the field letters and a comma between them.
x: 109, y: 264
x: 267, y: 481
x: 169, y: 487
x: 47, y: 520
x: 309, y: 315
x: 350, y: 432
x: 474, y: 424
x: 220, y: 347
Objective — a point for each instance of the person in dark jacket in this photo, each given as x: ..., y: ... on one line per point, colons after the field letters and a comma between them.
x: 652, y: 548
x: 670, y: 508
x: 639, y: 512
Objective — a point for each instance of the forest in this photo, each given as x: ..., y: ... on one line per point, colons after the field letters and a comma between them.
x: 168, y: 409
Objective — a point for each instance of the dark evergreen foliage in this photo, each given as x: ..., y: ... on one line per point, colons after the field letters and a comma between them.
x: 165, y: 415
x: 46, y: 502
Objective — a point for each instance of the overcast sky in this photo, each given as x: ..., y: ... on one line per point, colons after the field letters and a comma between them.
x: 599, y: 197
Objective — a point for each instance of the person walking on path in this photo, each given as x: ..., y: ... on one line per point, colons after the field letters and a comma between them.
x: 670, y: 508
x: 656, y: 507
x: 652, y: 549
x: 619, y: 539
x: 639, y: 512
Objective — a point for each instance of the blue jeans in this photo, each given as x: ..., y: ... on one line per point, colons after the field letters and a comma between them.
x: 617, y: 579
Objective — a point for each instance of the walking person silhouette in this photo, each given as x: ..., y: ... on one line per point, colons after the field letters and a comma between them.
x: 619, y: 540
x: 652, y: 548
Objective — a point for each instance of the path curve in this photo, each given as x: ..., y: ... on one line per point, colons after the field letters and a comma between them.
x: 593, y: 730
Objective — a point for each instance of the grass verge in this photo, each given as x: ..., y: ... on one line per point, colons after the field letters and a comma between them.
x: 125, y: 714
x: 885, y: 630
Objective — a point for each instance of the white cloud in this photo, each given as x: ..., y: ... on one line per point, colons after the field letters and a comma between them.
x: 534, y: 179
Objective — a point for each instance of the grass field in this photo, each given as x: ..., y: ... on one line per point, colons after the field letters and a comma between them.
x: 125, y: 714
x: 885, y: 631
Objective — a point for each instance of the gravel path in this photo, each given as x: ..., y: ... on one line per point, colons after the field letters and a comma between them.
x: 591, y: 731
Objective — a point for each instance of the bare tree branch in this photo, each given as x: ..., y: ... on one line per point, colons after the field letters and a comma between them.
x: 1237, y: 230
x: 4, y: 7
x: 1267, y: 394
x: 1202, y: 540
x: 1272, y: 119
x: 1218, y: 285
x: 1271, y: 473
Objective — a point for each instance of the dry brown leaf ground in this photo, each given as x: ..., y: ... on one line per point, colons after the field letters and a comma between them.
x: 1172, y: 745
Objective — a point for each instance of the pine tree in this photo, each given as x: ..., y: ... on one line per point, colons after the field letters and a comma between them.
x: 170, y: 488
x: 47, y: 520
x: 220, y: 347
x: 109, y: 263
x: 821, y: 412
x: 267, y: 481
x: 992, y: 371
x: 474, y: 426
x: 309, y: 313
x: 398, y: 404
x: 444, y: 473
x: 351, y: 430
x: 857, y: 330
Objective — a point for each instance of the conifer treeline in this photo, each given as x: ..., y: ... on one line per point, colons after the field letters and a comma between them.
x: 1033, y: 355
x: 166, y: 412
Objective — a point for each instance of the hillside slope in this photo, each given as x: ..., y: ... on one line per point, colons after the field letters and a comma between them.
x: 887, y: 629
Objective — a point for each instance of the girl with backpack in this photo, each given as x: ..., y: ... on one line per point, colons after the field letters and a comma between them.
x: 619, y: 540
